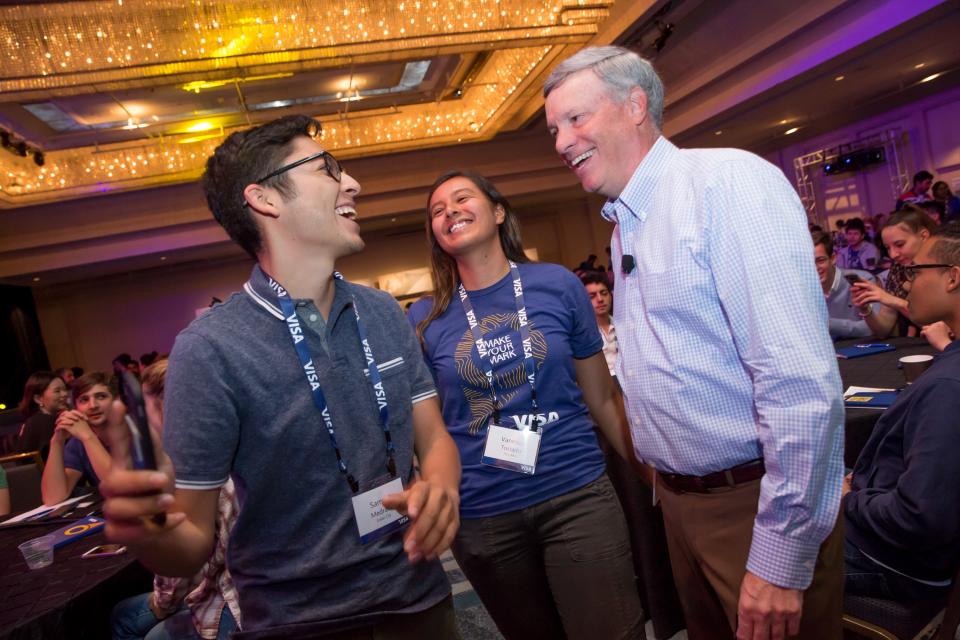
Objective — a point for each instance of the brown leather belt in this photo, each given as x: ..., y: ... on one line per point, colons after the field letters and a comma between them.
x: 732, y: 477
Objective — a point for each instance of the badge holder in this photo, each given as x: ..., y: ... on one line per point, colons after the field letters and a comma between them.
x: 375, y: 521
x: 512, y: 449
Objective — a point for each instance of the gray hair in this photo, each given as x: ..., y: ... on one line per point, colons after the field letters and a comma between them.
x: 620, y: 70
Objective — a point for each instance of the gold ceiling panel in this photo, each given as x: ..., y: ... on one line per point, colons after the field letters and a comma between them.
x: 57, y: 45
x: 80, y: 47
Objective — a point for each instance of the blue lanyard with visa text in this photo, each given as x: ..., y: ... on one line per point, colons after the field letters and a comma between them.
x: 309, y: 370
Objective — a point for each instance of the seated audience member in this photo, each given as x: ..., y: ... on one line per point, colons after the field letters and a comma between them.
x: 204, y: 606
x: 902, y: 235
x: 846, y: 319
x: 131, y: 365
x: 597, y: 288
x: 4, y: 493
x: 903, y: 525
x: 918, y: 193
x: 66, y: 374
x: 858, y: 254
x: 77, y: 450
x: 44, y: 397
x: 933, y: 208
x: 839, y: 236
x: 148, y: 359
x: 951, y: 203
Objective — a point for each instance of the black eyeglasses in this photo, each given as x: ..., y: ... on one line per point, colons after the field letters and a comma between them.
x: 332, y: 165
x: 910, y: 273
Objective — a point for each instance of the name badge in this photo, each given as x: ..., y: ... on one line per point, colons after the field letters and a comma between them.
x: 373, y: 519
x: 511, y: 449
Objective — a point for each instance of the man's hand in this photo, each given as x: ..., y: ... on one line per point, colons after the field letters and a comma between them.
x: 847, y: 484
x: 435, y: 513
x: 766, y: 610
x: 131, y: 497
x: 938, y: 335
x: 72, y: 423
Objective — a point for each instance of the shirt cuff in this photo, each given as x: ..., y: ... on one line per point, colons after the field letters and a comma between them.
x: 785, y: 562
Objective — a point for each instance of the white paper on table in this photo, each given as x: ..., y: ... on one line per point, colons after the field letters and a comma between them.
x: 852, y: 391
x: 27, y: 515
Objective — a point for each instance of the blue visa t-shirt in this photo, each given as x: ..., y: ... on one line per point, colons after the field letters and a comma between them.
x: 562, y: 328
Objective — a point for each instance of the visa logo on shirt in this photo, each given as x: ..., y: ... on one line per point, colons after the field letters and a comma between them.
x: 534, y: 420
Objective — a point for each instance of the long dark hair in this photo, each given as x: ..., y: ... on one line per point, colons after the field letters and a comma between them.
x: 36, y: 384
x: 443, y: 268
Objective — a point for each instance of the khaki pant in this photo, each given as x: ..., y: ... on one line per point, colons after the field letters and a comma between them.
x: 709, y: 536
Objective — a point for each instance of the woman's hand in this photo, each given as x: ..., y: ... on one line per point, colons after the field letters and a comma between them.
x: 72, y: 423
x: 863, y: 293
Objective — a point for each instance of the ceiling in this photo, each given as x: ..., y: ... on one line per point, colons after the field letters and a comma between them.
x: 462, y: 80
x: 112, y: 95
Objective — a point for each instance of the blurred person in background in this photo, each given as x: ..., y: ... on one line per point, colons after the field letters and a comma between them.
x: 598, y: 289
x: 951, y: 203
x: 44, y: 397
x: 204, y: 606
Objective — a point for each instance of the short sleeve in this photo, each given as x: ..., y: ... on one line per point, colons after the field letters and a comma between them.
x: 201, y: 424
x: 74, y: 456
x: 421, y: 385
x: 585, y: 337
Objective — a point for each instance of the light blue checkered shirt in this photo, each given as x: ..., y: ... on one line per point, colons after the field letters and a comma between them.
x: 725, y: 355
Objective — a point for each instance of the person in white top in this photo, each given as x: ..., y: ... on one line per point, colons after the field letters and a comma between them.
x: 602, y: 300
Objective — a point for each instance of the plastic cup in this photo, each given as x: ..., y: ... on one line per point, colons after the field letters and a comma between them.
x: 913, y: 366
x: 38, y: 552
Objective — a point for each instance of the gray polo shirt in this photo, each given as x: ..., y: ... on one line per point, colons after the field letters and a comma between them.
x: 845, y: 320
x: 238, y: 404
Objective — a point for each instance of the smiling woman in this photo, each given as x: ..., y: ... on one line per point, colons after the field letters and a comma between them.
x: 519, y: 369
x: 77, y: 448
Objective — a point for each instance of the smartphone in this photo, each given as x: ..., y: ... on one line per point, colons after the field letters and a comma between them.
x: 852, y: 278
x: 104, y: 551
x: 141, y: 444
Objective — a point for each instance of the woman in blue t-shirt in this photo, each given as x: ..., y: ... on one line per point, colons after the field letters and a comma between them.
x: 77, y: 449
x: 518, y: 362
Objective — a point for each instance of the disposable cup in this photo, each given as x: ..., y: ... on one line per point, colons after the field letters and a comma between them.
x: 38, y: 552
x: 913, y: 366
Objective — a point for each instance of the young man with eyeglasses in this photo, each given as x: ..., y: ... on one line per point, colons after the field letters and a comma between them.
x: 311, y: 394
x: 902, y: 537
x: 846, y: 319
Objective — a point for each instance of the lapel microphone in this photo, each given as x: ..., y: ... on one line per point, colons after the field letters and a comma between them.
x: 626, y: 263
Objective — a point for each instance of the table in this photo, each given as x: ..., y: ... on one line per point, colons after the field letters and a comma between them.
x: 71, y: 598
x: 879, y: 371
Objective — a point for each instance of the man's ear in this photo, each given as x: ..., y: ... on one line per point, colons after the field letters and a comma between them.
x: 637, y: 102
x: 953, y: 279
x: 260, y: 200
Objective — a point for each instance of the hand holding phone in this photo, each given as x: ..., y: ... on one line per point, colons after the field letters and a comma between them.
x: 141, y: 443
x: 852, y: 278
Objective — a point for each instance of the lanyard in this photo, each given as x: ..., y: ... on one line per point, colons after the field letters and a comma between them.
x: 528, y: 363
x: 309, y: 370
